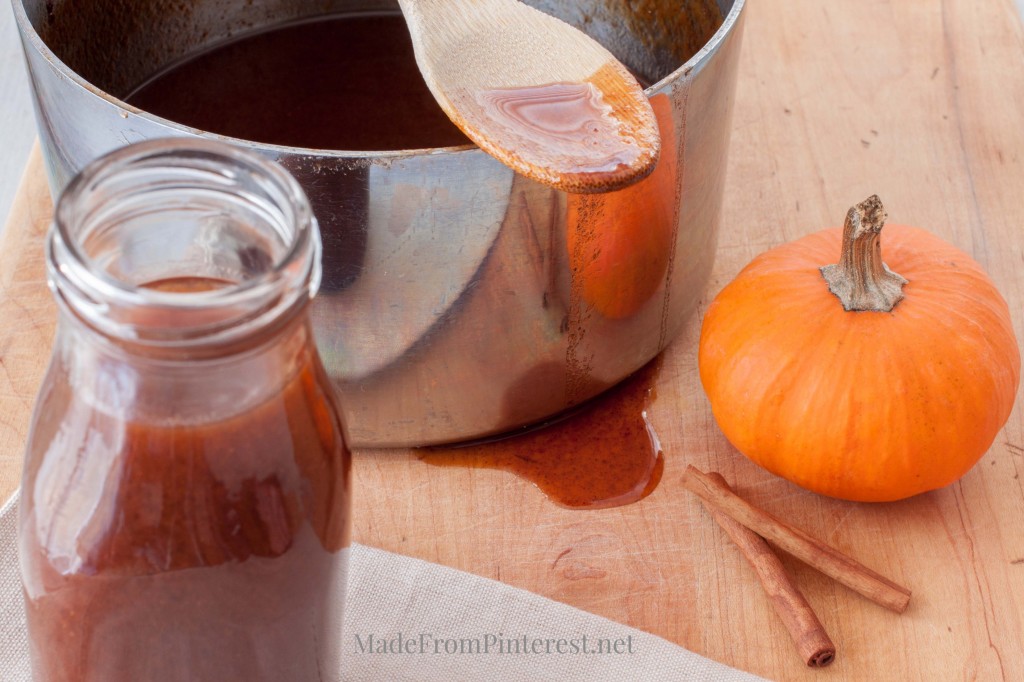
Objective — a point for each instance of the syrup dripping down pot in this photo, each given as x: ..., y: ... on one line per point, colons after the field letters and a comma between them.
x: 459, y: 299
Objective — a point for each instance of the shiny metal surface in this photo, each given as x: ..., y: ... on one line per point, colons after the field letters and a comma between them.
x: 459, y: 299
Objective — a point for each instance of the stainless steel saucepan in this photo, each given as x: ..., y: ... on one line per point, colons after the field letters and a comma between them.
x: 460, y: 300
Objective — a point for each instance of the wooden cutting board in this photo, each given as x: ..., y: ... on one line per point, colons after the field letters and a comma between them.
x: 918, y: 100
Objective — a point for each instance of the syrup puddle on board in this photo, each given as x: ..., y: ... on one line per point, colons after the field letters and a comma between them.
x: 569, y: 122
x: 604, y: 455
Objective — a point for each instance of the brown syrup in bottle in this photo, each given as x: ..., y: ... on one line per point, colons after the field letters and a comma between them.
x: 154, y: 535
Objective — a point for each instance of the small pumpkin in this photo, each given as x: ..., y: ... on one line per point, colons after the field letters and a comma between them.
x: 854, y: 380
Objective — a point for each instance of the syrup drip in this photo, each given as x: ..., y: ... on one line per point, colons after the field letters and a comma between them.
x: 607, y: 454
x: 570, y: 123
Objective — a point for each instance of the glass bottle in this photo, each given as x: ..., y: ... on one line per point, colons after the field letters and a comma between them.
x: 185, y: 502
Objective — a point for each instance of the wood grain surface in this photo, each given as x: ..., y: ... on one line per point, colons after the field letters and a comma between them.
x: 917, y: 100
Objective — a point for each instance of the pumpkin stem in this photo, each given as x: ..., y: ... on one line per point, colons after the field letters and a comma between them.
x: 860, y: 280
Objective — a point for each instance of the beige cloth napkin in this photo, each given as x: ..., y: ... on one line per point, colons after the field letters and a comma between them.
x: 391, y: 594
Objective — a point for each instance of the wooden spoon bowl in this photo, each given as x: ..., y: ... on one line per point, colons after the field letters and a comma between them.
x: 540, y: 96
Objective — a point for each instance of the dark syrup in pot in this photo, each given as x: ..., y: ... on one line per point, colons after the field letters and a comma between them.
x: 345, y: 82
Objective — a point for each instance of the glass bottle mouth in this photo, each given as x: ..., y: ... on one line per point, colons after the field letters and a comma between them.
x: 183, y: 242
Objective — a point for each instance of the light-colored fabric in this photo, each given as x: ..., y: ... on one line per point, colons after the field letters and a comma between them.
x: 13, y: 642
x: 441, y: 610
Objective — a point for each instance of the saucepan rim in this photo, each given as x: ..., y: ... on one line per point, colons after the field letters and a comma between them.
x: 694, y: 63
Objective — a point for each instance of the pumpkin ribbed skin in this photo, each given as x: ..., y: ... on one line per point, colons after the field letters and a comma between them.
x: 867, y: 406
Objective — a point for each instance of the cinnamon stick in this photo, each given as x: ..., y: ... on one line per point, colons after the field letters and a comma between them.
x: 815, y: 553
x: 812, y: 642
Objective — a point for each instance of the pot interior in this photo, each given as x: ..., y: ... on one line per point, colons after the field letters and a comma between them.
x: 119, y: 45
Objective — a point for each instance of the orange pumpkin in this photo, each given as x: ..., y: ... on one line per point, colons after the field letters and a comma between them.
x: 852, y: 380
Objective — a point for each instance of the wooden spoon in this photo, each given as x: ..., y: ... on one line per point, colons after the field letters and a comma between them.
x: 532, y: 91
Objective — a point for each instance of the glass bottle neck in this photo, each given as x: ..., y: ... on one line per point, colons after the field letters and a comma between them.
x: 183, y: 250
x: 117, y: 381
